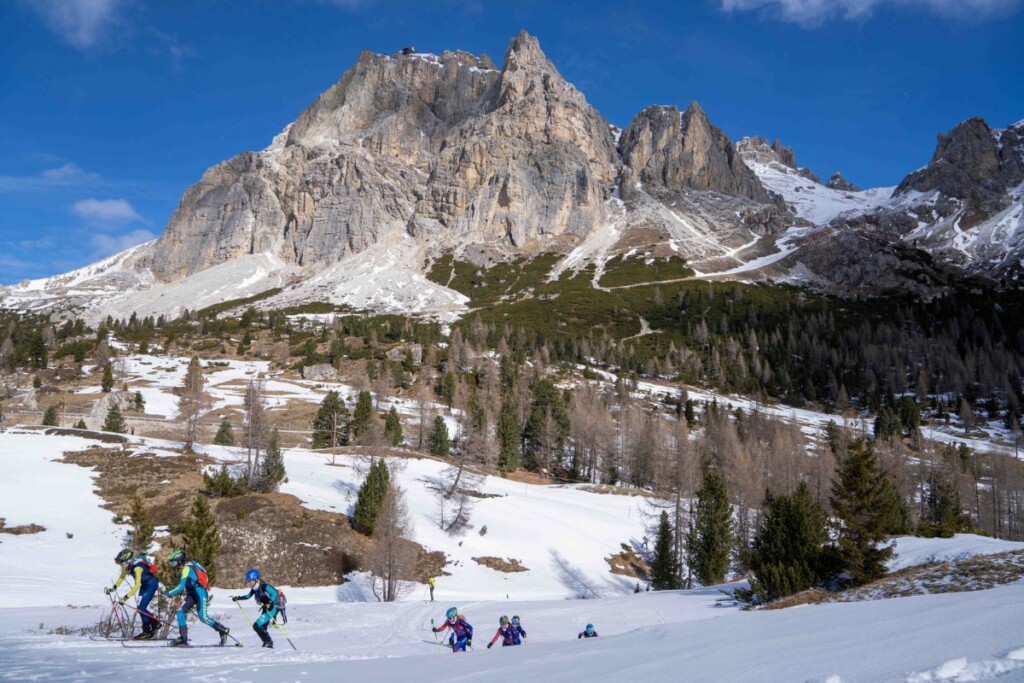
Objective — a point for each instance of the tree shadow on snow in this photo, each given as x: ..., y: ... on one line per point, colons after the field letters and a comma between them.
x: 572, y: 577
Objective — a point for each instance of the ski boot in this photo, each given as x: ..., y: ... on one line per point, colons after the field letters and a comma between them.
x: 269, y: 644
x: 182, y: 640
x: 223, y: 631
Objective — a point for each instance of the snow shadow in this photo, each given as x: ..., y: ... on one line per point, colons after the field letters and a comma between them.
x: 572, y: 577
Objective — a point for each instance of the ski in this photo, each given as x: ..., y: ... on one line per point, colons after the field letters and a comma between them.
x: 106, y: 639
x: 146, y: 643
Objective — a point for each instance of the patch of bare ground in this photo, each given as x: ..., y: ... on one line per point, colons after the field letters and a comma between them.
x: 976, y: 573
x: 628, y: 563
x: 616, y: 490
x: 528, y: 477
x: 272, y: 531
x: 507, y: 566
x: 20, y: 530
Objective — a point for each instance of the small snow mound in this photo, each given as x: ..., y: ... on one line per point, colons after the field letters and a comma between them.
x: 831, y: 678
x: 1017, y: 654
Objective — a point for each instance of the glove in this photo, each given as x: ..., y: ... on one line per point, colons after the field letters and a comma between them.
x: 469, y: 642
x: 489, y: 645
x: 235, y: 598
x: 434, y: 629
x: 121, y: 602
x: 579, y: 636
x: 108, y: 590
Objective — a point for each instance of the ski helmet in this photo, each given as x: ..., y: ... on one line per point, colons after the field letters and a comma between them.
x: 452, y: 613
x: 515, y: 620
x: 590, y: 628
x: 502, y: 620
x: 252, y: 575
x: 124, y: 556
x: 177, y: 558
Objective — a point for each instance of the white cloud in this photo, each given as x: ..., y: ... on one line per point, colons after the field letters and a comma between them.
x: 105, y: 211
x: 816, y: 12
x: 105, y: 245
x: 67, y: 175
x: 79, y: 22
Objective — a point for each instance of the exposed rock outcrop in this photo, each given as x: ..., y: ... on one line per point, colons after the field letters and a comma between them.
x: 838, y: 182
x: 757, y: 150
x: 664, y: 147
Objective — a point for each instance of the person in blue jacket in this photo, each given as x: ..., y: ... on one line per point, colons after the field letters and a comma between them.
x: 460, y: 628
x: 504, y: 632
x: 518, y: 632
x: 194, y: 584
x: 266, y: 596
x: 143, y: 572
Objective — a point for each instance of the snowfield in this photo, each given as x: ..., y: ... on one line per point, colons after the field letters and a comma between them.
x: 50, y: 581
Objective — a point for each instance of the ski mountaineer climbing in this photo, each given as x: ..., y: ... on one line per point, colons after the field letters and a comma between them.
x: 267, y: 598
x: 505, y: 632
x: 430, y: 583
x: 588, y: 632
x: 462, y: 632
x: 143, y: 571
x: 194, y: 583
x: 518, y: 632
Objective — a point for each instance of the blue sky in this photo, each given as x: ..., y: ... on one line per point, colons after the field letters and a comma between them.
x: 110, y: 109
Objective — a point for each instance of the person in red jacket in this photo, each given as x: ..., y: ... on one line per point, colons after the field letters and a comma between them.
x: 505, y: 632
x: 460, y: 628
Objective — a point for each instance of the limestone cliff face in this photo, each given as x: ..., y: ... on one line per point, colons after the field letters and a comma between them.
x: 665, y: 148
x: 445, y: 148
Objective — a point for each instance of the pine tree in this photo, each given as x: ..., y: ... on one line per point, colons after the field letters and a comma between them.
x: 200, y: 536
x: 273, y: 472
x: 51, y: 418
x: 787, y: 555
x: 509, y: 438
x: 140, y: 402
x: 81, y: 424
x: 860, y: 500
x: 140, y: 532
x: 331, y: 424
x: 362, y: 414
x: 709, y: 541
x: 115, y: 421
x: 190, y: 403
x: 393, y: 427
x: 943, y: 515
x: 225, y: 435
x: 107, y: 383
x: 439, y: 441
x: 665, y: 573
x: 371, y: 497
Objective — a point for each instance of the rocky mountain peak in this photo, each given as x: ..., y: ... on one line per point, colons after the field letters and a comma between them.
x: 974, y: 164
x: 758, y: 150
x: 665, y: 148
x: 838, y: 182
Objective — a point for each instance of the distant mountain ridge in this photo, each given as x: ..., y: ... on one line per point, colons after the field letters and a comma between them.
x: 411, y: 156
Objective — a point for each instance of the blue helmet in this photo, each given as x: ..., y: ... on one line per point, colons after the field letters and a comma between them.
x: 452, y: 613
x: 515, y: 620
x: 252, y: 575
x: 590, y: 628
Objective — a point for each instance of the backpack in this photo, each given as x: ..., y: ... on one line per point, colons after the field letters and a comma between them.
x: 150, y: 565
x: 201, y: 576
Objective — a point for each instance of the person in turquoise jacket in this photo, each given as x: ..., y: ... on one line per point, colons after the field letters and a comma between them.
x: 194, y: 584
x: 267, y: 598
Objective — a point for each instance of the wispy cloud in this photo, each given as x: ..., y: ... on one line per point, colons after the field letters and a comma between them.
x: 106, y: 244
x: 105, y: 211
x: 811, y: 13
x: 81, y: 23
x: 67, y: 175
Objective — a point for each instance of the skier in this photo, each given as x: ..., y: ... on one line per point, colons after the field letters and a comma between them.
x: 194, y: 583
x: 462, y: 632
x: 143, y: 571
x: 588, y: 632
x: 267, y: 597
x: 430, y: 583
x: 518, y: 632
x: 505, y: 632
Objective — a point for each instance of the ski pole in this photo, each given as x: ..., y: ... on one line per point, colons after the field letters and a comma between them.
x: 145, y: 613
x: 243, y: 613
x: 281, y: 629
x: 117, y: 614
x: 436, y: 641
